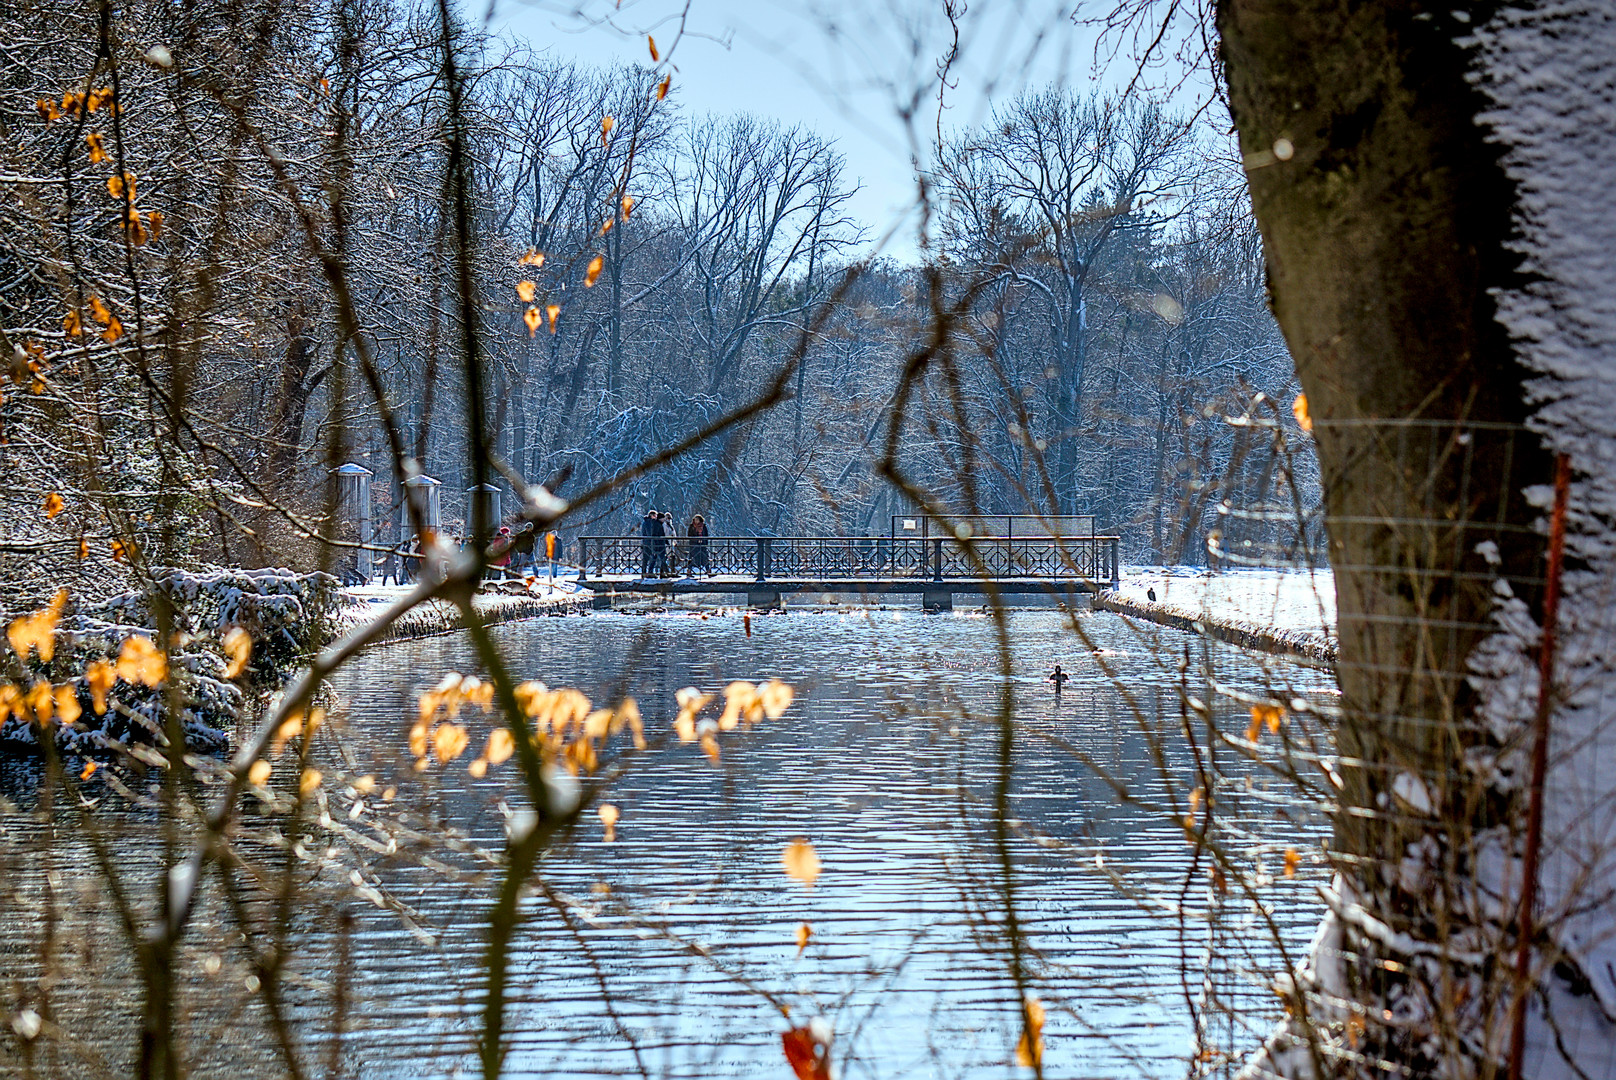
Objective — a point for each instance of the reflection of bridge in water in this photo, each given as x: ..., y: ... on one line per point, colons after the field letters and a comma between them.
x: 767, y: 567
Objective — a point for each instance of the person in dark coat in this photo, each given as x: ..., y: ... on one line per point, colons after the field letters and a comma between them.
x: 663, y: 563
x: 650, y: 529
x: 698, y: 535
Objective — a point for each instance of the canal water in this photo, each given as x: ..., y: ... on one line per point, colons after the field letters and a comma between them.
x: 673, y: 950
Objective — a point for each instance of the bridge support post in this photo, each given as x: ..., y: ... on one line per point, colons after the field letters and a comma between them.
x: 601, y: 601
x: 937, y: 600
x: 764, y: 599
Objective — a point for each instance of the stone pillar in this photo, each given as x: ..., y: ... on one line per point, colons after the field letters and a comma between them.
x: 485, y: 496
x: 353, y: 515
x: 937, y: 600
x: 423, y: 490
x: 764, y: 599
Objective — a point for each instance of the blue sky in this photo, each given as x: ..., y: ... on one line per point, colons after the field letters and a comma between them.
x: 845, y: 69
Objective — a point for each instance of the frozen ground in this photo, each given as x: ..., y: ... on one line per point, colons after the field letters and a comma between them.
x: 1294, y: 600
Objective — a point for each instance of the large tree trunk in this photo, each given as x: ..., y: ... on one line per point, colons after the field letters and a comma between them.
x: 1385, y: 214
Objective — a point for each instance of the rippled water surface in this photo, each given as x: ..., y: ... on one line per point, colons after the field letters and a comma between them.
x: 888, y: 763
x: 673, y: 952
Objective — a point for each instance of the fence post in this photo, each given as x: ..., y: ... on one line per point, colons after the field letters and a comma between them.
x: 937, y: 559
x: 1116, y: 565
x: 583, y: 558
x: 762, y: 558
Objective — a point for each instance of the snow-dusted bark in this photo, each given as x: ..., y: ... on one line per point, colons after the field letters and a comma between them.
x: 1550, y: 67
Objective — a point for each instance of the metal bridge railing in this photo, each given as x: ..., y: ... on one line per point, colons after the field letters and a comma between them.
x: 1091, y: 559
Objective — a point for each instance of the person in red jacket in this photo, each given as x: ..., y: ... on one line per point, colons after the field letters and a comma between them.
x: 698, y: 535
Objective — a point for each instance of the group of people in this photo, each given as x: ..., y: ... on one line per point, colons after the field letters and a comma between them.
x: 658, y: 548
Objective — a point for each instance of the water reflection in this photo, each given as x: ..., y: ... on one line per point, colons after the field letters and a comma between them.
x: 673, y: 951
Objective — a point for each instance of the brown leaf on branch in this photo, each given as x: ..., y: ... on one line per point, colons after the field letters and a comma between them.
x: 53, y: 505
x: 593, y: 273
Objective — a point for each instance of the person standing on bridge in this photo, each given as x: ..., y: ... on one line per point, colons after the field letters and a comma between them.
x: 697, y: 534
x: 650, y: 530
x: 664, y: 544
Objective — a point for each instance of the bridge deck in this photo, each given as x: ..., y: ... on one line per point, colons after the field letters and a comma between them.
x: 741, y: 583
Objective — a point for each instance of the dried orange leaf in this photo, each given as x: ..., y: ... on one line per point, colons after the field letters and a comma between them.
x: 801, y: 862
x: 662, y: 87
x: 1261, y: 716
x: 121, y: 185
x: 500, y: 746
x: 1030, y: 1050
x: 41, y: 700
x: 309, y: 781
x: 37, y: 632
x: 238, y: 647
x: 1304, y: 419
x: 99, y: 677
x: 608, y: 818
x: 525, y: 290
x: 140, y: 663
x: 533, y: 320
x: 98, y: 152
x: 449, y: 741
x: 258, y: 774
x: 1292, y: 861
x: 651, y: 41
x: 593, y: 272
x: 606, y: 125
x: 807, y: 1051
x: 554, y: 312
x: 88, y: 770
x: 68, y: 709
x: 53, y: 505
x: 775, y: 698
x: 804, y: 932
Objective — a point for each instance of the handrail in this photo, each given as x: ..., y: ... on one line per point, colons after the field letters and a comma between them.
x: 1088, y: 559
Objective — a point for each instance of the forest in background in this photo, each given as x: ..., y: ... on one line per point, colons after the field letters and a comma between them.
x: 637, y: 271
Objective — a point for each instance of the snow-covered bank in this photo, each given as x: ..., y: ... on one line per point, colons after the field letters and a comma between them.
x: 1291, y: 612
x: 498, y: 602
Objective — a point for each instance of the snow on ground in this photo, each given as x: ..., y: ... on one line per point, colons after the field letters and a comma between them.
x: 363, y: 601
x: 1547, y: 67
x: 1295, y: 600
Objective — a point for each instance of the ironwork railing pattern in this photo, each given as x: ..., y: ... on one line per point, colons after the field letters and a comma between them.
x: 1087, y: 559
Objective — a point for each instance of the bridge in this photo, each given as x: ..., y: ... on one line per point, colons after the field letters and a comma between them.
x: 766, y: 568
